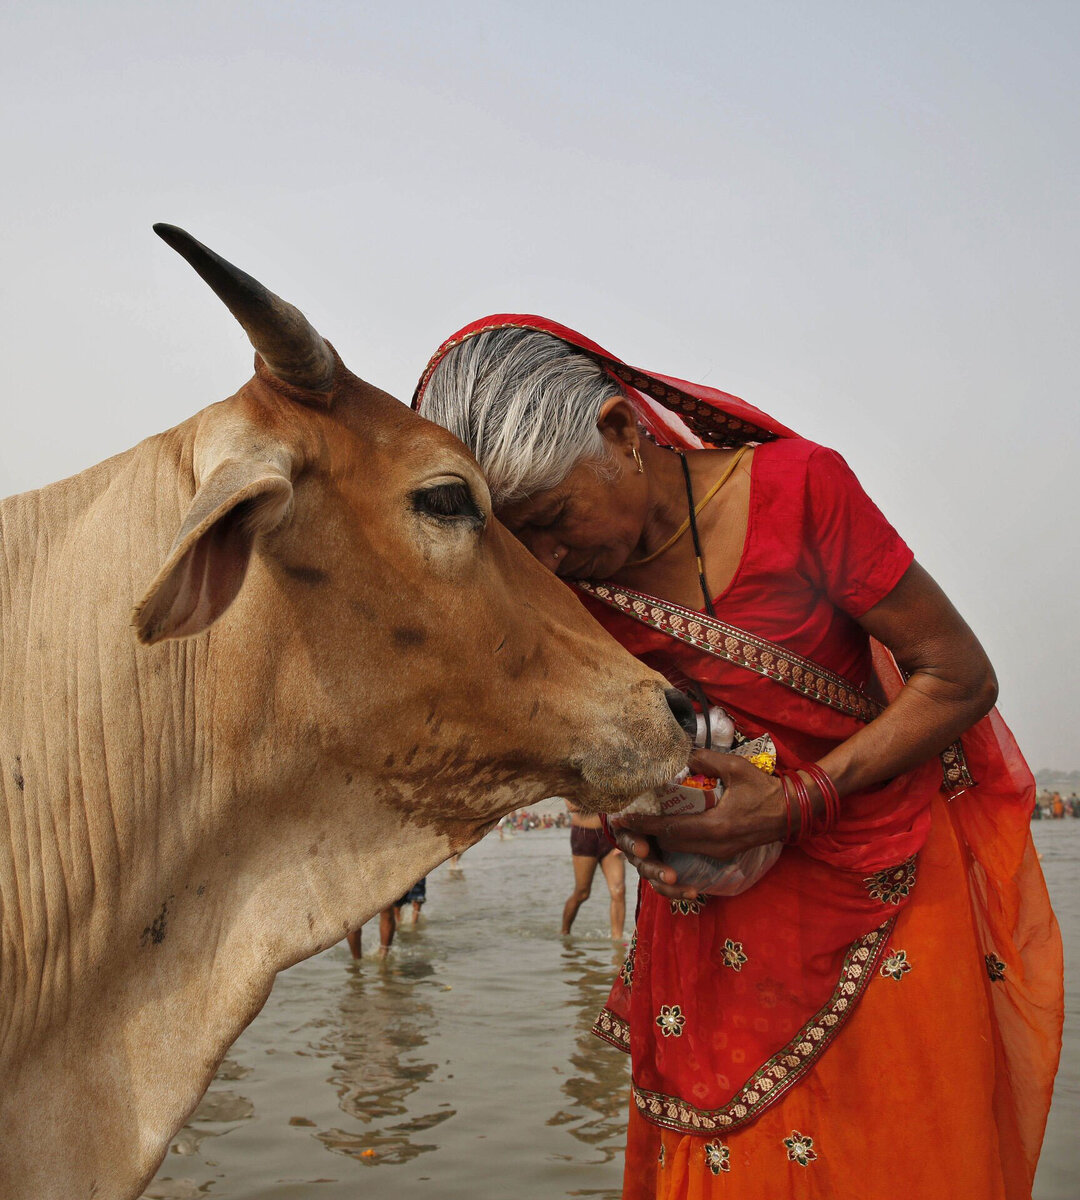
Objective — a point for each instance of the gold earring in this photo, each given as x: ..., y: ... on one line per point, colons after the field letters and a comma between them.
x: 637, y: 458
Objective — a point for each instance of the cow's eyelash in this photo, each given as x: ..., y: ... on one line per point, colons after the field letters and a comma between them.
x: 448, y: 501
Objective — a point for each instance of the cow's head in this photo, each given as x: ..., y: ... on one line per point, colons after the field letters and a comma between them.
x: 349, y: 670
x: 380, y: 626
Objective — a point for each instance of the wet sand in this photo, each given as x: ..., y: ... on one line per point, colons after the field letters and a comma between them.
x: 464, y: 1062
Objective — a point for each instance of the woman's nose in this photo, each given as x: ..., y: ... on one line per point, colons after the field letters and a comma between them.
x: 547, y: 550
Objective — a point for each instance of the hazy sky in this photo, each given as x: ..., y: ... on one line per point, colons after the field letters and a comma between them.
x: 862, y: 217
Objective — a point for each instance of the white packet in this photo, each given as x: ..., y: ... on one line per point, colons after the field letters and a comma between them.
x: 713, y: 876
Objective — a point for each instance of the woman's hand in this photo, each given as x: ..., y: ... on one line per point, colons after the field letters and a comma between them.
x: 643, y: 856
x: 751, y: 812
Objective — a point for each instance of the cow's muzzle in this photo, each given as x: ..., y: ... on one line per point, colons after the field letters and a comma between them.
x: 682, y: 710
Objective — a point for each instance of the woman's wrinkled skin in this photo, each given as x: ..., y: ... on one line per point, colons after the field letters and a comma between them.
x: 604, y: 517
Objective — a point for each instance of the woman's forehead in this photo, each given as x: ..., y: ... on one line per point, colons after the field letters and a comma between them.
x: 535, y: 509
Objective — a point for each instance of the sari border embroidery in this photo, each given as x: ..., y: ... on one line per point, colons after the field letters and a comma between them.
x: 613, y: 1030
x: 707, y: 422
x: 765, y: 658
x: 954, y: 770
x: 738, y: 647
x: 779, y: 1074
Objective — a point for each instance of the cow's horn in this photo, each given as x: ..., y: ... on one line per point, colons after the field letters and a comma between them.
x: 288, y: 344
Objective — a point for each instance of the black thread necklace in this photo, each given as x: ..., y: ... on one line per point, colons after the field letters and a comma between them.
x: 697, y: 540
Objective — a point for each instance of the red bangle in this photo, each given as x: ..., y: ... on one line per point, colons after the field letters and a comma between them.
x: 829, y: 794
x: 782, y: 776
x: 794, y: 835
x: 806, y: 812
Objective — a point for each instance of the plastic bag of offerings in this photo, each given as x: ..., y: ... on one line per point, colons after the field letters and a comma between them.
x: 697, y: 793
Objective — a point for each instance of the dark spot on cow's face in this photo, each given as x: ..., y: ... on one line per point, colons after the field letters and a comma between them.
x: 154, y: 933
x: 534, y: 710
x: 311, y: 576
x: 407, y: 636
x: 200, y: 889
x: 17, y: 774
x: 388, y: 761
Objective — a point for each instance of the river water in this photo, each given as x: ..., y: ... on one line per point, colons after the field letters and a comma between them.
x: 462, y: 1066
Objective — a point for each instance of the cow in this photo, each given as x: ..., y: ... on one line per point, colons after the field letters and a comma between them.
x: 259, y: 674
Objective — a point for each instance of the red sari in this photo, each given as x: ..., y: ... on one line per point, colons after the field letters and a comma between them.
x: 888, y: 982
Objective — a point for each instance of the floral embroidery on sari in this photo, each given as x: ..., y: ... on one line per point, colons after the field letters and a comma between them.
x: 717, y: 1157
x: 671, y: 1020
x: 892, y: 884
x: 627, y: 972
x: 733, y: 955
x: 687, y: 908
x: 995, y: 968
x: 776, y: 1077
x: 800, y: 1148
x: 896, y: 965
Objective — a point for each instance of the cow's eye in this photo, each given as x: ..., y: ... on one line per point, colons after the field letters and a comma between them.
x: 448, y: 502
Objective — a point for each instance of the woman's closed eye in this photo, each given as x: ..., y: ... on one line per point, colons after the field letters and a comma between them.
x: 549, y: 521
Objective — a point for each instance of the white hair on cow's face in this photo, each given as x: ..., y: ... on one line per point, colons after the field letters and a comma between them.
x: 526, y: 404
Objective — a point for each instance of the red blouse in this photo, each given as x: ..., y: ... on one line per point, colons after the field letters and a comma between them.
x: 818, y: 555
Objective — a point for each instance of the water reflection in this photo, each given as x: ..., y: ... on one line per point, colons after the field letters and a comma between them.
x: 385, y: 1022
x: 219, y: 1107
x: 598, y: 1089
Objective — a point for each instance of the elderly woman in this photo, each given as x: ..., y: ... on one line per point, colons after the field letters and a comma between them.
x: 880, y: 1014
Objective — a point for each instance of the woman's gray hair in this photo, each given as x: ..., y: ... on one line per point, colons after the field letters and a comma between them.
x: 526, y: 404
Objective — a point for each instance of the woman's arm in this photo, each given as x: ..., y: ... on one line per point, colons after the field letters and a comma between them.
x: 950, y: 686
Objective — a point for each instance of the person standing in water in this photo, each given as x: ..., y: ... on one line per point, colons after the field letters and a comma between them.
x: 389, y: 918
x: 387, y: 929
x: 589, y: 848
x: 416, y: 896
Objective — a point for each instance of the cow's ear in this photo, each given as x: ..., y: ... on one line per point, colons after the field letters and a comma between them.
x: 205, y: 568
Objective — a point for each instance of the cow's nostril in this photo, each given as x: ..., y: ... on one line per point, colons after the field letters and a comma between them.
x: 682, y: 710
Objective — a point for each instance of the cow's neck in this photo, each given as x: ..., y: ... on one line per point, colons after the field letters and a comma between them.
x: 86, y: 733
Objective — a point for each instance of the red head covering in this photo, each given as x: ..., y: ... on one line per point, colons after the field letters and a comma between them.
x: 674, y: 411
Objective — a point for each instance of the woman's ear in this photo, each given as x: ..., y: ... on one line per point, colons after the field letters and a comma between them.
x: 618, y: 423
